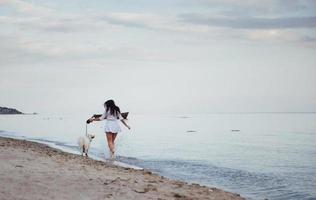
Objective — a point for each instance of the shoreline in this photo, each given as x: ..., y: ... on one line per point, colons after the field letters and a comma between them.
x: 36, y: 171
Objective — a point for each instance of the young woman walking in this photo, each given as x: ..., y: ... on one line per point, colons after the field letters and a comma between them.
x: 112, y: 114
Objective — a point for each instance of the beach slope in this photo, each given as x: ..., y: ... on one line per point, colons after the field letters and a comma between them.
x: 30, y: 170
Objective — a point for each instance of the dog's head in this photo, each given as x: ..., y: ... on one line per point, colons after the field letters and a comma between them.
x: 91, y: 136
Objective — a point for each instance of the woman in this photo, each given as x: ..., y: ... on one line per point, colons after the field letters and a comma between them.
x: 111, y: 114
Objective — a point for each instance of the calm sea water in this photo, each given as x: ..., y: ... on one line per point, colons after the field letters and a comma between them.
x: 263, y: 155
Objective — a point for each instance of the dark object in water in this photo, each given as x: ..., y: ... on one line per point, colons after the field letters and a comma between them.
x: 191, y: 131
x: 124, y: 115
x: 235, y: 130
x: 5, y: 110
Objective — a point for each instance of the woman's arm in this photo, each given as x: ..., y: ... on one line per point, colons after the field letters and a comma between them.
x: 103, y: 116
x: 127, y: 126
x: 92, y: 119
x: 120, y: 117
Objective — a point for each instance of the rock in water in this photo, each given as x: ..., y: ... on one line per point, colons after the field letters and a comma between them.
x: 5, y: 110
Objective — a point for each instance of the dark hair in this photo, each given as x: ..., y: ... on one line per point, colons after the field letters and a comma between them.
x: 110, y: 106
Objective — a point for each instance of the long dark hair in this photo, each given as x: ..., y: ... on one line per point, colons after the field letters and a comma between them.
x: 110, y: 106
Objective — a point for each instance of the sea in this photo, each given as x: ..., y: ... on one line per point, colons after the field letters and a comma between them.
x: 258, y: 155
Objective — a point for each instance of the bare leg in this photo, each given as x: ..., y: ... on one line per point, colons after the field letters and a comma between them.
x: 113, y: 139
x: 109, y: 139
x: 114, y: 136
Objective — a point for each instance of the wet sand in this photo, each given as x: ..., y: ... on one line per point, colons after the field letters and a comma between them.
x: 30, y: 170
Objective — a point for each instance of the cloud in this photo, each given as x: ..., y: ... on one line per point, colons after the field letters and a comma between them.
x: 251, y: 22
x: 12, y: 52
x: 155, y: 22
x: 43, y: 18
x: 258, y: 7
x: 24, y: 7
x: 273, y: 34
x: 34, y: 33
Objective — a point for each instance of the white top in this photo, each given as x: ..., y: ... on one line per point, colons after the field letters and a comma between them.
x: 108, y: 116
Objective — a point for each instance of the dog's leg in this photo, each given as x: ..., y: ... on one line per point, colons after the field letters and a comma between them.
x: 86, y: 150
x: 83, y: 150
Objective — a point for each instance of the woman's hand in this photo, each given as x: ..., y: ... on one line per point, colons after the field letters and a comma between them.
x: 127, y: 126
x: 90, y: 120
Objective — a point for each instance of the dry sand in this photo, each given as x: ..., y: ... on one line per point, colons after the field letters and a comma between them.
x: 30, y: 170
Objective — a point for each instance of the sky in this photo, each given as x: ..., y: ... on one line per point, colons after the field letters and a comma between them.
x: 174, y: 57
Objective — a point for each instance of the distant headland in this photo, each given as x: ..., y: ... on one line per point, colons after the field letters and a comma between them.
x: 5, y: 110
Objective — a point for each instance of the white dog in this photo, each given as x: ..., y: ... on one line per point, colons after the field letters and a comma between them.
x: 84, y: 143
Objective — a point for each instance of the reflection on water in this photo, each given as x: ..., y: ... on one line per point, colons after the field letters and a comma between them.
x: 257, y: 155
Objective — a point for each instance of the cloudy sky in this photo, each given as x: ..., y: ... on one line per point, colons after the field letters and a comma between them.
x: 166, y: 56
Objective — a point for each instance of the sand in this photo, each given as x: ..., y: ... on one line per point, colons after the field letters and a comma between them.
x: 30, y: 170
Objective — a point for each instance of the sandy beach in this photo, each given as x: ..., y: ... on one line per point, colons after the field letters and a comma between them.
x: 30, y: 170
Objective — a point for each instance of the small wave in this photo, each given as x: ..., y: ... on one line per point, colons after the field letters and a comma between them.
x: 57, y: 143
x: 93, y: 152
x: 71, y: 148
x: 251, y: 185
